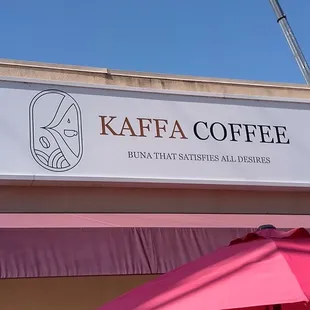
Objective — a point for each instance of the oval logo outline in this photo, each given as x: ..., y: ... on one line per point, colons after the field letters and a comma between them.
x: 66, y: 154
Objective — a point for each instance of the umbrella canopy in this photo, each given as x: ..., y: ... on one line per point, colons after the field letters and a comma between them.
x: 267, y: 267
x: 295, y: 306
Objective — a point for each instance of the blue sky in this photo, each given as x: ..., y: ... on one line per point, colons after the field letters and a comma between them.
x: 237, y: 39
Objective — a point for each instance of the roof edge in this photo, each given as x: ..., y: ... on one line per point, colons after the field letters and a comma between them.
x: 149, y: 75
x: 52, y: 66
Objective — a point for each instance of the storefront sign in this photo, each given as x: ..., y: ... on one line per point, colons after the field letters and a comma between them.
x: 83, y: 133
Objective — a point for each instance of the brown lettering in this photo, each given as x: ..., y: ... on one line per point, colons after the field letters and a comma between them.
x: 105, y: 126
x: 144, y: 126
x: 177, y: 129
x: 127, y: 126
x: 158, y: 128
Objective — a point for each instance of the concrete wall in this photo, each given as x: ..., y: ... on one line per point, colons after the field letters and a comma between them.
x: 112, y: 200
x: 60, y: 199
x: 85, y: 293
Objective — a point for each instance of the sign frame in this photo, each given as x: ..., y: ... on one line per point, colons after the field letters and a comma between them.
x: 58, y: 180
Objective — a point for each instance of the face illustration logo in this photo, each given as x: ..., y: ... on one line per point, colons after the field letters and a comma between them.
x: 55, y: 130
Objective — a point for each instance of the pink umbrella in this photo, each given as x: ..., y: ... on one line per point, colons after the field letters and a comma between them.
x: 268, y: 267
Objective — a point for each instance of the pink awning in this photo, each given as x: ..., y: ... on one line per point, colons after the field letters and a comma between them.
x: 84, y: 220
x: 51, y: 245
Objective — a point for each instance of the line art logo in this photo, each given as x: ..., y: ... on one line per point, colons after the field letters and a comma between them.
x: 55, y: 124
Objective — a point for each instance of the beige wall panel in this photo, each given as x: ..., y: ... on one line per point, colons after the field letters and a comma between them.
x: 106, y: 199
x: 85, y: 293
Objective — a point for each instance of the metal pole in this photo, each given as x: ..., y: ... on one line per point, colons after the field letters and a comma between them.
x: 291, y: 40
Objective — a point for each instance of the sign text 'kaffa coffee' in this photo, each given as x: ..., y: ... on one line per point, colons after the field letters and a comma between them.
x: 203, y: 130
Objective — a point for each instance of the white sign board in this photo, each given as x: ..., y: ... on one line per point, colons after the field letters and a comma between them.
x: 81, y: 133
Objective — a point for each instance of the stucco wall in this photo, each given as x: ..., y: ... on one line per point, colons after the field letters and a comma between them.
x: 96, y: 199
x: 85, y: 293
x: 60, y: 199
